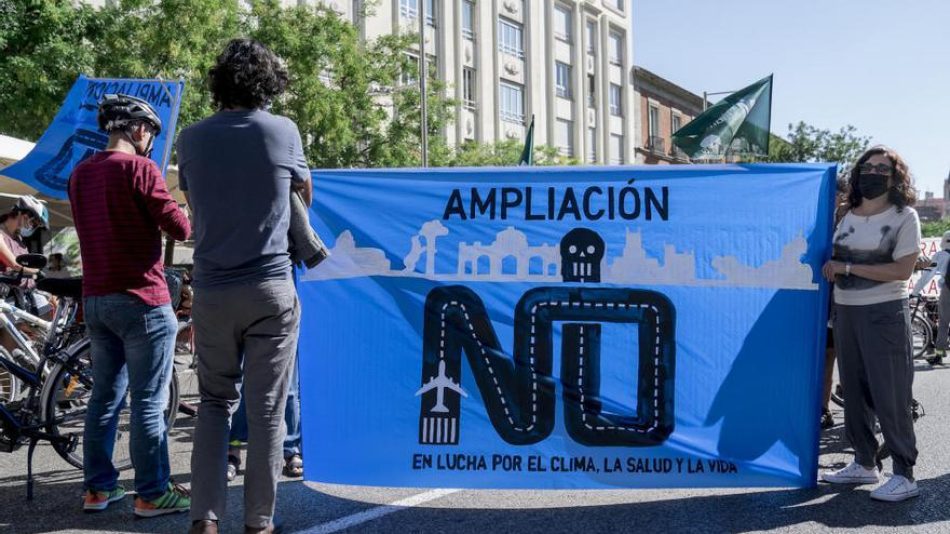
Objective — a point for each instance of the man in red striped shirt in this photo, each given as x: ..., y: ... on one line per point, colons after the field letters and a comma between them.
x: 120, y: 208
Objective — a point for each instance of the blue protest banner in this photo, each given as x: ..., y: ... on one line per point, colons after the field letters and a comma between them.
x: 567, y: 327
x: 74, y: 134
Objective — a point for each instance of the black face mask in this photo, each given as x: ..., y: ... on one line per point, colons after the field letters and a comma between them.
x: 872, y: 185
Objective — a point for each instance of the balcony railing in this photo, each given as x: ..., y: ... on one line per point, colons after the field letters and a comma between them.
x: 655, y: 144
x: 512, y: 116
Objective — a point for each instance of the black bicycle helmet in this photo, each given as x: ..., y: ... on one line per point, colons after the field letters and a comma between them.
x: 116, y: 111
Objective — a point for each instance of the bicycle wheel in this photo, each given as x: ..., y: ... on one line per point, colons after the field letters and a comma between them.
x: 837, y: 395
x: 66, y: 394
x: 9, y: 384
x: 922, y: 335
x: 186, y: 365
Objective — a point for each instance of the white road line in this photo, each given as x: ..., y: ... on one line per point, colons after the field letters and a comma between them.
x: 380, y: 511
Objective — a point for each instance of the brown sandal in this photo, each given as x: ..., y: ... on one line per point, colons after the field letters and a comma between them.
x: 293, y: 466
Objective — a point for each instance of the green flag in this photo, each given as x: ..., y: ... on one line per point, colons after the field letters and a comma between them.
x: 738, y: 124
x: 527, y: 155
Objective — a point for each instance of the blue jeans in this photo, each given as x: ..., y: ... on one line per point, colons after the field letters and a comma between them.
x: 132, y: 349
x: 291, y: 417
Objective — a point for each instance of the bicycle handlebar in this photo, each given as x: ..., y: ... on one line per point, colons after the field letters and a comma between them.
x: 16, y: 279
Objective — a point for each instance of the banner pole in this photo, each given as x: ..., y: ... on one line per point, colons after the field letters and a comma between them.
x: 169, y: 258
x: 423, y: 73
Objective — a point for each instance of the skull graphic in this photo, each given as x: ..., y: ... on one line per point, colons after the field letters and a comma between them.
x: 581, y: 253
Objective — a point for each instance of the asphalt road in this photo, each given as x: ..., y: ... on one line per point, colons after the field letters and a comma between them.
x: 313, y: 508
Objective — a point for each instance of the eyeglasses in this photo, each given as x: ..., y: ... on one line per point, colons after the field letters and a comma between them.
x: 877, y: 168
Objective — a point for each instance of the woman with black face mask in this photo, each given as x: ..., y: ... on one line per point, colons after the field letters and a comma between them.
x: 27, y: 216
x: 876, y: 245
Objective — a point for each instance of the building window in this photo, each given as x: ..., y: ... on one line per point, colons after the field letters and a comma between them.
x: 468, y: 19
x: 676, y: 122
x: 563, y: 79
x: 618, y: 4
x: 510, y: 38
x: 564, y: 137
x: 430, y: 13
x: 512, y: 103
x: 616, y: 48
x: 468, y: 88
x: 409, y: 9
x: 410, y: 71
x: 591, y: 145
x: 591, y: 37
x: 591, y: 91
x: 616, y: 149
x: 653, y: 123
x: 562, y: 23
x: 616, y: 100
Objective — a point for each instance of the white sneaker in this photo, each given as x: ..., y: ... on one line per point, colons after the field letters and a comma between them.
x: 897, y: 489
x: 854, y: 473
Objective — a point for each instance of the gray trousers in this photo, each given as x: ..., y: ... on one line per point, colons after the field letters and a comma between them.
x: 943, y: 319
x: 876, y: 368
x: 254, y: 327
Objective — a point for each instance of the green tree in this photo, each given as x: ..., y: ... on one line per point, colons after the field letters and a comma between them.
x: 347, y: 96
x: 504, y: 153
x: 934, y: 228
x: 44, y: 45
x: 169, y: 38
x: 806, y: 143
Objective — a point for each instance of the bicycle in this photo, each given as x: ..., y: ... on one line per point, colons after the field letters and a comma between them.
x: 58, y: 383
x: 186, y: 358
x: 924, y: 320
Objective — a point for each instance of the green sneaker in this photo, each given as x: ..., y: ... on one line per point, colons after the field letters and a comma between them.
x: 97, y: 501
x: 175, y: 499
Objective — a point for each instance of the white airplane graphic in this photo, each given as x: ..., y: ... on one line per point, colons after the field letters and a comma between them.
x: 440, y: 383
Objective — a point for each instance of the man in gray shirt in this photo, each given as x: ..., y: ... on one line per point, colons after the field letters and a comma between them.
x: 237, y: 169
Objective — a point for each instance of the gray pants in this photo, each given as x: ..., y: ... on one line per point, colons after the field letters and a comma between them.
x: 253, y: 326
x: 876, y: 368
x: 943, y: 319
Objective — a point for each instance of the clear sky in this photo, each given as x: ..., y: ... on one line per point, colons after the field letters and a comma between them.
x: 881, y: 65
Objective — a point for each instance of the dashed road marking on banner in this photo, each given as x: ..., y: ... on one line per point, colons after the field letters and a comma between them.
x: 375, y: 513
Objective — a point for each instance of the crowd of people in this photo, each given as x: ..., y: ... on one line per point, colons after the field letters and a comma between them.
x: 238, y: 169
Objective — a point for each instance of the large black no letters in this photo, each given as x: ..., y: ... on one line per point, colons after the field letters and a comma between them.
x: 520, y: 397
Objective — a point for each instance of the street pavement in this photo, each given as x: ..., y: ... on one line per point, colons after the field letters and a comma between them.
x: 315, y: 508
